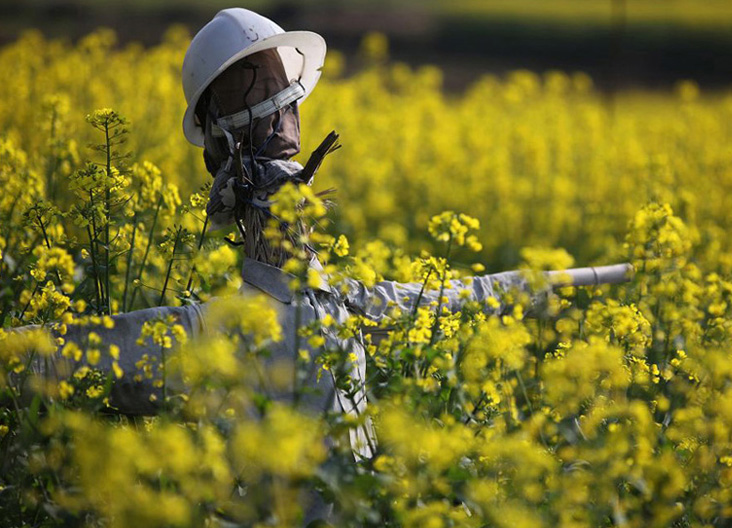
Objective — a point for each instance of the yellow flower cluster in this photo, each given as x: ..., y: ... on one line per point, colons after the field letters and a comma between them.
x: 449, y: 227
x: 55, y: 260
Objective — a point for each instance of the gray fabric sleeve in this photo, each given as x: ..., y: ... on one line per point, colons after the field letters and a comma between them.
x: 128, y: 396
x: 375, y: 303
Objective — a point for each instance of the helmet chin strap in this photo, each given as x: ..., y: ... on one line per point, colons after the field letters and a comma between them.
x: 269, y: 106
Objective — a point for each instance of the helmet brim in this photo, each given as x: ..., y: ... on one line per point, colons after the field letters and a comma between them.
x: 302, y: 54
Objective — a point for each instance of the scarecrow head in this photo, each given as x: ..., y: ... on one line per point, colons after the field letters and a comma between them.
x: 243, y: 78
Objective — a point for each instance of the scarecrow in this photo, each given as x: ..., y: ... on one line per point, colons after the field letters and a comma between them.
x: 244, y: 78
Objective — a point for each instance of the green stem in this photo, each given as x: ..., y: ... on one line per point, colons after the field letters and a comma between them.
x: 354, y: 405
x: 108, y: 200
x: 436, y: 324
x: 48, y: 244
x: 200, y: 245
x: 129, y: 262
x: 170, y: 266
x: 476, y: 407
x: 420, y: 295
x: 94, y: 267
x: 92, y: 244
x: 35, y: 290
x: 147, y: 249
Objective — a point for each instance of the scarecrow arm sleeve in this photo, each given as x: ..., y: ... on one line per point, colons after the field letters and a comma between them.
x: 377, y: 302
x: 138, y: 391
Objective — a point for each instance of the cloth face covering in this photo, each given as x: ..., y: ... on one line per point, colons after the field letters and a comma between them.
x: 227, y: 95
x: 275, y: 138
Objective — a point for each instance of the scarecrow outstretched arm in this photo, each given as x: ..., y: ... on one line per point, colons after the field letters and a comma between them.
x: 137, y: 391
x: 377, y: 302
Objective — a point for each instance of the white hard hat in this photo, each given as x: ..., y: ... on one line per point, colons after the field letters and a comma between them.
x: 237, y: 33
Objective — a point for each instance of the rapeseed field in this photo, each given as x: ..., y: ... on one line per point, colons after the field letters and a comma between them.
x: 588, y: 407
